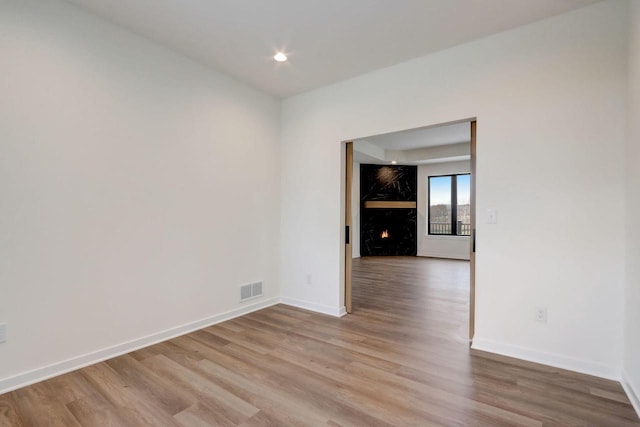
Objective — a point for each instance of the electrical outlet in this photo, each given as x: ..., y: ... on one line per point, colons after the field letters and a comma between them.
x: 3, y: 332
x: 541, y: 314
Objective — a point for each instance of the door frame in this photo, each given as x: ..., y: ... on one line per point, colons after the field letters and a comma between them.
x: 348, y: 229
x: 472, y: 241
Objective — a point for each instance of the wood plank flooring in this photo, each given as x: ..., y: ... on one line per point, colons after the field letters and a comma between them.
x: 402, y: 359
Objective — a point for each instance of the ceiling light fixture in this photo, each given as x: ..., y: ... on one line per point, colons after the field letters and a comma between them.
x: 280, y: 57
x: 393, y: 162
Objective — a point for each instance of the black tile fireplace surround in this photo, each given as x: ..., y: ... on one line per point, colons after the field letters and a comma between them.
x: 388, y: 212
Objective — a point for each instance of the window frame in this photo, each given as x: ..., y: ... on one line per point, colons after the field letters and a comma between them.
x: 454, y: 206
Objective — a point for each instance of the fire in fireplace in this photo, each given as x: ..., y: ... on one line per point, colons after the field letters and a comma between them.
x: 384, y: 234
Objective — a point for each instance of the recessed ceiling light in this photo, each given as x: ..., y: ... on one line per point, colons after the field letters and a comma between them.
x: 393, y: 162
x: 280, y: 57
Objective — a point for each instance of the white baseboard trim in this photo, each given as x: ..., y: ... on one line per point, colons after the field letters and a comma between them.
x: 550, y: 359
x: 74, y: 363
x: 318, y: 308
x: 444, y: 255
x: 632, y: 391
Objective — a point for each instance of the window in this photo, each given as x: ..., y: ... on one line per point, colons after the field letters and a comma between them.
x: 449, y: 205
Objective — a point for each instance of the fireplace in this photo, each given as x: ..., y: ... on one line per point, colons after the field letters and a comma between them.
x: 388, y: 232
x: 388, y: 225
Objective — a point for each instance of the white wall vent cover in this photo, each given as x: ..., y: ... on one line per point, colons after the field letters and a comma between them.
x: 251, y: 290
x: 256, y: 289
x: 245, y: 292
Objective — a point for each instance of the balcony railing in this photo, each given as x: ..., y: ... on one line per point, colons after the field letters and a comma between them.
x: 445, y: 228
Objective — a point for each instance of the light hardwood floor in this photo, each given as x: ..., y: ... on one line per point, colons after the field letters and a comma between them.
x: 401, y: 359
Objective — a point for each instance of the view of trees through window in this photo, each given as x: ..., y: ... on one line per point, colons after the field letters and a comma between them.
x: 449, y: 205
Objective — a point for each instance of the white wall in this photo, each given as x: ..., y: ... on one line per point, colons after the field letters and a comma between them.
x: 355, y: 211
x: 552, y: 93
x: 456, y: 247
x: 632, y: 294
x: 138, y: 189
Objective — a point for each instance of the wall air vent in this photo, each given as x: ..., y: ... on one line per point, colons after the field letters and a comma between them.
x: 245, y: 292
x: 256, y: 289
x: 252, y: 290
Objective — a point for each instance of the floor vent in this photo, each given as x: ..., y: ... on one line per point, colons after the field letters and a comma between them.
x: 251, y: 290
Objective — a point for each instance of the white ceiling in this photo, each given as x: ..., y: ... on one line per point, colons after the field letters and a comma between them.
x: 327, y: 40
x: 422, y: 137
x: 435, y: 144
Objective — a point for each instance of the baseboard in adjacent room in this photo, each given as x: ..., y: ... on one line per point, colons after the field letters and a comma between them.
x: 632, y: 392
x: 440, y: 255
x: 59, y: 368
x: 557, y: 361
x: 318, y: 308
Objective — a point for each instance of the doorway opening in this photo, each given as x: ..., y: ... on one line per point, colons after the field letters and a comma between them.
x: 410, y: 206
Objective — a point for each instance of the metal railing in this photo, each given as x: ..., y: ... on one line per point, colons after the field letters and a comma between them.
x: 445, y: 228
